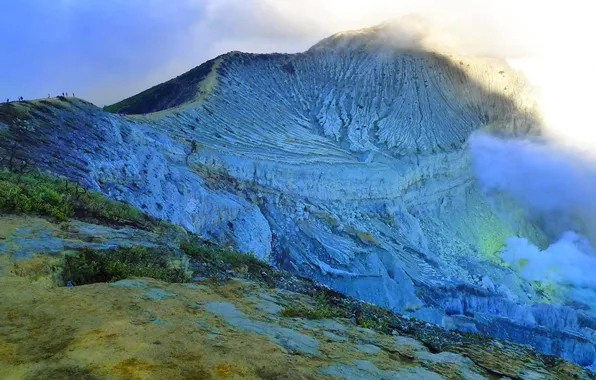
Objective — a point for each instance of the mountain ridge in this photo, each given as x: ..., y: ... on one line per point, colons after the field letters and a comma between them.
x: 349, y: 167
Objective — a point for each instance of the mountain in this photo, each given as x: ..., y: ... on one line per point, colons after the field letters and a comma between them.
x: 347, y: 164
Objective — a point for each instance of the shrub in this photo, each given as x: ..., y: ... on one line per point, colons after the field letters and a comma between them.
x: 210, y: 253
x: 12, y: 198
x: 90, y: 266
x: 33, y: 193
x: 373, y: 324
x: 98, y: 206
x: 24, y: 194
x: 322, y: 310
x: 318, y: 312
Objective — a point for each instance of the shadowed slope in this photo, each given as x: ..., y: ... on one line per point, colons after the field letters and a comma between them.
x: 172, y: 93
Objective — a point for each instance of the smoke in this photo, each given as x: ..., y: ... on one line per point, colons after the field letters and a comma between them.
x: 555, y: 185
x: 548, y: 179
x: 567, y: 262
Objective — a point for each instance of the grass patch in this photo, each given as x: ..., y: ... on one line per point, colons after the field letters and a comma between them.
x: 373, y: 324
x: 215, y: 262
x: 38, y: 194
x: 90, y: 266
x: 36, y: 268
x: 202, y: 251
x: 13, y: 113
x: 323, y: 309
x: 318, y: 312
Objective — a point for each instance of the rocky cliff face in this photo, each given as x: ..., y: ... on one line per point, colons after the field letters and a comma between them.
x: 346, y: 164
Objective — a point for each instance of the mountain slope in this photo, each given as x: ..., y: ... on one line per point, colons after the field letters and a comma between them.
x: 166, y: 95
x: 346, y: 164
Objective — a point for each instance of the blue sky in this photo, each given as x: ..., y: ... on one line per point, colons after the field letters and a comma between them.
x: 105, y: 50
x: 77, y: 45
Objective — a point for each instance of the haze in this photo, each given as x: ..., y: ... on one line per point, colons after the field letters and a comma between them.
x: 107, y: 50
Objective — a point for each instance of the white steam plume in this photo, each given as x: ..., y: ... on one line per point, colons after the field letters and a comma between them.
x: 556, y: 186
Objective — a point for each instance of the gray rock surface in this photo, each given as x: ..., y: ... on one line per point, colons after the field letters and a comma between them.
x: 42, y: 237
x: 158, y: 294
x: 130, y: 284
x: 324, y: 324
x: 367, y: 348
x: 334, y: 337
x: 291, y: 340
x: 363, y: 369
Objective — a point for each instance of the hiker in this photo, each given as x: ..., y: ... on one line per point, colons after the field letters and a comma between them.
x: 193, y: 146
x: 67, y: 94
x: 48, y: 96
x: 7, y: 100
x: 73, y: 95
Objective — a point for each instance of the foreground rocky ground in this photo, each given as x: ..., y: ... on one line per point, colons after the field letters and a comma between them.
x: 229, y: 322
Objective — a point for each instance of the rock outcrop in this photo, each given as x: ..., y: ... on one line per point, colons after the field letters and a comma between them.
x: 346, y: 164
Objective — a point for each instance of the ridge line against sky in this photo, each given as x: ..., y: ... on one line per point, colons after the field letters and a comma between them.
x: 106, y: 50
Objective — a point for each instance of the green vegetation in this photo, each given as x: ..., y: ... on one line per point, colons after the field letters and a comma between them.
x: 202, y: 251
x: 37, y: 268
x: 323, y: 309
x: 38, y: 194
x: 13, y: 113
x: 318, y: 312
x: 330, y: 304
x: 90, y: 266
x: 373, y: 324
